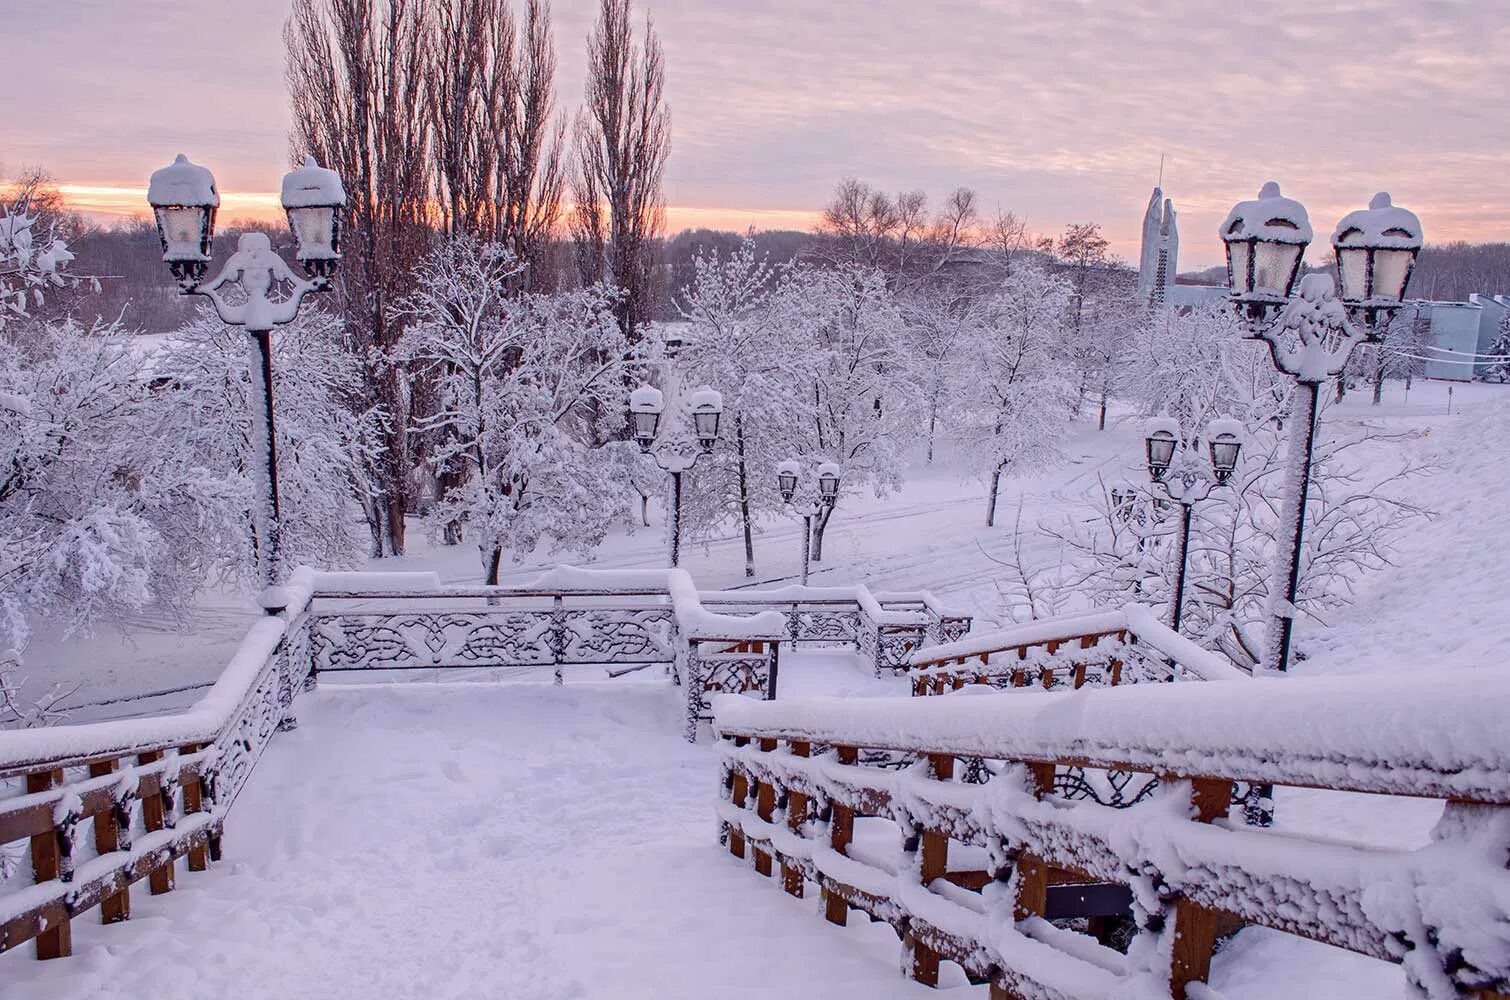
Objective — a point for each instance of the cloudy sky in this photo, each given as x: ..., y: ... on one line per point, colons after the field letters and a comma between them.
x: 1057, y: 109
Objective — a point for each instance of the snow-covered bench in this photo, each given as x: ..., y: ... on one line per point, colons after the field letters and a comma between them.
x: 986, y: 865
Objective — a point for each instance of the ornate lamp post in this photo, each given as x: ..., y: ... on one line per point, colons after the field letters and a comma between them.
x: 676, y: 454
x: 787, y: 475
x: 1312, y: 334
x: 257, y: 291
x: 1185, y: 479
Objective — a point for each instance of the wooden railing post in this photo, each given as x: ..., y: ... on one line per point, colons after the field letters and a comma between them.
x: 841, y: 830
x: 154, y: 817
x: 933, y: 865
x: 56, y: 941
x: 1033, y: 871
x: 741, y: 792
x: 1195, y: 926
x: 107, y: 839
x: 765, y: 808
x: 796, y: 815
x: 193, y: 785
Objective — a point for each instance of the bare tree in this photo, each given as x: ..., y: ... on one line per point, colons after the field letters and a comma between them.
x: 623, y: 137
x: 357, y: 88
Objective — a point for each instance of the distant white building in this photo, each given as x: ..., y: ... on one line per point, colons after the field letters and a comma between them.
x: 1459, y: 331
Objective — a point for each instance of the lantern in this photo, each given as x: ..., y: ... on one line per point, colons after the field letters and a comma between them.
x: 1376, y: 251
x: 1163, y: 436
x: 1266, y: 239
x: 645, y: 406
x: 1225, y: 440
x: 828, y: 482
x: 786, y: 479
x: 707, y: 408
x: 184, y: 200
x: 313, y: 197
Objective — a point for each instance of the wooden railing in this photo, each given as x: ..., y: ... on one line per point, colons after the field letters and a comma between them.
x: 986, y: 864
x: 1103, y: 648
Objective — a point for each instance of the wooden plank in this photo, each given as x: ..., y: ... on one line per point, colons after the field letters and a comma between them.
x: 193, y: 792
x: 107, y: 839
x: 796, y: 815
x: 55, y: 939
x: 765, y: 808
x: 841, y: 830
x: 1033, y: 871
x: 741, y: 792
x: 155, y: 818
x: 1195, y: 927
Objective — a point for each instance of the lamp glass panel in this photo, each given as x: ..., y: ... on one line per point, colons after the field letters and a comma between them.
x: 1273, y: 267
x: 1391, y: 271
x: 182, y: 228
x: 706, y: 422
x: 1160, y: 450
x: 314, y: 227
x: 1353, y: 273
x: 786, y: 482
x: 645, y: 425
x: 1237, y: 254
x: 1224, y: 452
x: 828, y: 486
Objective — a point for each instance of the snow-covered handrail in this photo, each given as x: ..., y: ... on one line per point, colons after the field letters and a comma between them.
x: 1439, y: 910
x: 974, y: 659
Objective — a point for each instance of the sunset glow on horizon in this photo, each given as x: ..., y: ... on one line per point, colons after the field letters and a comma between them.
x: 1060, y: 112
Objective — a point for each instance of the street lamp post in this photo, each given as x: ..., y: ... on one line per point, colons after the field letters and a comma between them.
x: 1311, y: 334
x: 1187, y: 480
x: 676, y: 454
x: 257, y: 291
x: 787, y: 476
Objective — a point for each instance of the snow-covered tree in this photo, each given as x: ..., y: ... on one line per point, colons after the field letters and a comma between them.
x: 737, y: 343
x: 1014, y: 402
x: 1498, y: 368
x: 31, y: 263
x: 526, y: 386
x: 202, y: 380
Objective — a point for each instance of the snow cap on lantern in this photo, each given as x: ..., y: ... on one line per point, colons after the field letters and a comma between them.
x: 313, y: 197
x: 707, y: 409
x: 1265, y: 240
x: 786, y: 478
x: 1376, y: 249
x: 645, y: 406
x: 184, y: 201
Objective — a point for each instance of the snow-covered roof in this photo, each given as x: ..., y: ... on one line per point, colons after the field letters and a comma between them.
x: 1382, y: 225
x: 182, y: 183
x: 1271, y: 217
x: 312, y: 185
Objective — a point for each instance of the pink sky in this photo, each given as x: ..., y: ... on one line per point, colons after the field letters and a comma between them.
x: 1057, y: 109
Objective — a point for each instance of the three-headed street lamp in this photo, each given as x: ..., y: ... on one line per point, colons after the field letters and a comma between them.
x: 257, y: 291
x: 788, y: 475
x: 676, y: 454
x: 1311, y: 334
x: 1181, y: 476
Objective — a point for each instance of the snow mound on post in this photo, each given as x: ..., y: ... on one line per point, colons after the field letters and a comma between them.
x: 1270, y: 217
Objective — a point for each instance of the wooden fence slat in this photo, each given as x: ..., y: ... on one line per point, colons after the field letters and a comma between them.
x: 765, y: 808
x: 56, y: 941
x: 154, y: 817
x: 1195, y: 927
x: 107, y: 839
x: 796, y: 815
x: 841, y: 830
x: 1033, y: 871
x: 193, y: 792
x: 740, y: 795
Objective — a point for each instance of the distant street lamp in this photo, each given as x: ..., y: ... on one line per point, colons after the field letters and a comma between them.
x: 1312, y: 334
x: 788, y: 474
x: 1187, y: 480
x: 256, y: 291
x: 676, y: 454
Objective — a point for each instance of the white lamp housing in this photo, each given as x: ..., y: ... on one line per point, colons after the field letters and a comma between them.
x: 828, y: 482
x: 1376, y: 251
x: 314, y: 199
x: 1266, y: 239
x: 786, y: 479
x: 184, y: 202
x: 707, y: 409
x: 645, y: 407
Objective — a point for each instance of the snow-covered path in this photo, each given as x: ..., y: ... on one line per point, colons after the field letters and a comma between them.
x: 478, y: 841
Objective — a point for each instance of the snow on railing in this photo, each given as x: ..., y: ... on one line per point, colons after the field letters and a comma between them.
x: 991, y: 854
x: 1069, y: 650
x: 157, y: 788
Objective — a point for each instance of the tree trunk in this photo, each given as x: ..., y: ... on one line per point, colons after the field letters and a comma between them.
x: 819, y: 526
x: 1378, y: 375
x: 933, y: 419
x: 995, y: 492
x: 644, y: 508
x: 1101, y: 424
x: 493, y: 561
x: 744, y: 497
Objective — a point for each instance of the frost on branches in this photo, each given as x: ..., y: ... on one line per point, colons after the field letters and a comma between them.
x: 1191, y: 366
x: 527, y: 389
x: 30, y: 263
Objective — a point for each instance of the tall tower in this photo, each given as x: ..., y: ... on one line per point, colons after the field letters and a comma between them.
x: 1159, y: 261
